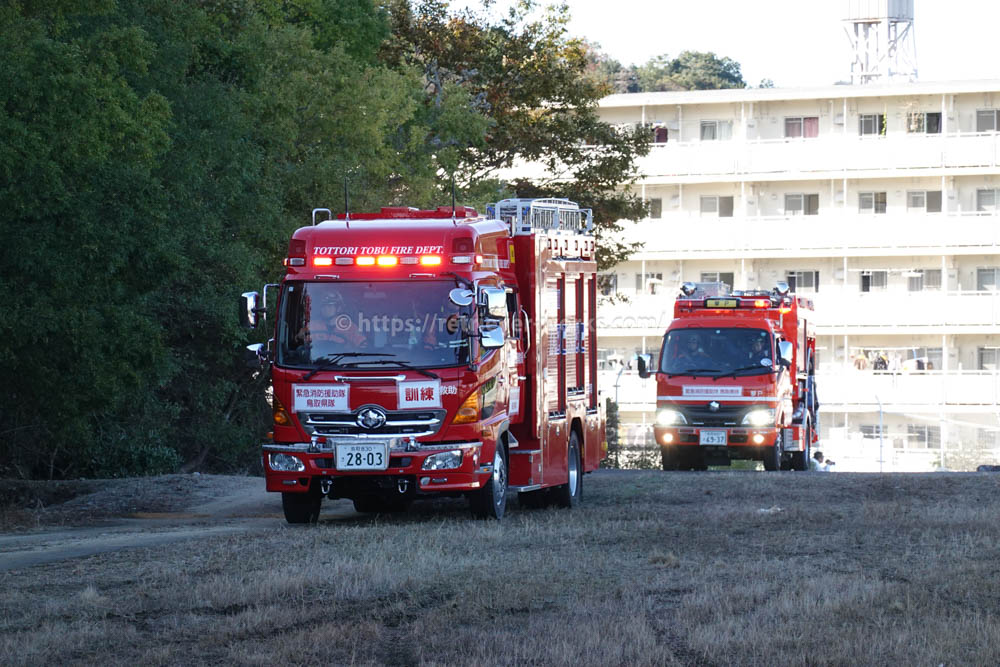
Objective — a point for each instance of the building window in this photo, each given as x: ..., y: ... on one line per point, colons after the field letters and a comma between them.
x: 716, y: 130
x: 923, y: 279
x: 607, y: 283
x: 987, y: 359
x: 659, y: 135
x: 923, y: 358
x: 927, y: 201
x: 871, y: 123
x: 651, y: 285
x: 924, y: 123
x: 921, y: 436
x: 871, y: 431
x: 656, y: 208
x: 713, y: 206
x: 725, y: 277
x: 802, y: 126
x: 987, y: 120
x: 872, y: 281
x: 802, y: 281
x: 871, y: 202
x: 986, y: 199
x: 802, y: 204
x: 987, y: 280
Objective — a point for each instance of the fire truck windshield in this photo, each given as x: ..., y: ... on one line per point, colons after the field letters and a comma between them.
x: 717, y: 351
x: 371, y: 325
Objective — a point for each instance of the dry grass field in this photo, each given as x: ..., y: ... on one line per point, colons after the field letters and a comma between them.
x: 717, y: 568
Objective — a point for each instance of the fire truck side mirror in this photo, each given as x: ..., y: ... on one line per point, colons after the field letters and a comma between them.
x: 257, y: 355
x: 643, y: 367
x: 461, y: 297
x: 495, y: 301
x: 249, y: 313
x: 785, y: 350
x: 491, y: 337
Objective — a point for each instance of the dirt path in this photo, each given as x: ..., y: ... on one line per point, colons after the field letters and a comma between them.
x: 126, y: 514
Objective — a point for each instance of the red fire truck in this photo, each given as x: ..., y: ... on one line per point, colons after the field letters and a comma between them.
x: 434, y: 352
x: 735, y: 380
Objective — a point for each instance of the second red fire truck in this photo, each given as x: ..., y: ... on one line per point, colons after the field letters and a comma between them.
x: 434, y: 352
x: 736, y: 380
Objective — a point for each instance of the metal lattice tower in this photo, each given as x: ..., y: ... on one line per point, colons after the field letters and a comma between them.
x: 882, y: 40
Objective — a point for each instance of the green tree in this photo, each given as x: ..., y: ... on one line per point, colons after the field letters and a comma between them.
x: 529, y: 80
x: 691, y: 70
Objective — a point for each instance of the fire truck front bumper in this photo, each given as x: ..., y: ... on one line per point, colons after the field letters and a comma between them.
x: 348, y: 465
x: 716, y: 437
x: 756, y: 437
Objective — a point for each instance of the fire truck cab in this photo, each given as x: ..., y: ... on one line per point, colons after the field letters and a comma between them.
x: 433, y: 352
x: 735, y: 379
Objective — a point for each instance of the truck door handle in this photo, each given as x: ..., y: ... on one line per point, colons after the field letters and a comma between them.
x: 527, y: 330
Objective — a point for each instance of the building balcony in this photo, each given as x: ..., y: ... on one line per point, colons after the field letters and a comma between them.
x: 835, y: 233
x: 851, y: 390
x: 839, y: 310
x: 843, y: 310
x: 830, y: 156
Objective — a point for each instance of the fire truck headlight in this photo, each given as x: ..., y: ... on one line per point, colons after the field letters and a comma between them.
x: 759, y: 417
x: 670, y: 418
x: 443, y: 461
x: 286, y: 463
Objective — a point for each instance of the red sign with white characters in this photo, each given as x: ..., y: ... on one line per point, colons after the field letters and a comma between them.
x: 420, y: 394
x: 319, y: 397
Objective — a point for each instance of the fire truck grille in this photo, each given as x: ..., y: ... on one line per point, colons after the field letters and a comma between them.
x: 400, y: 423
x: 700, y: 415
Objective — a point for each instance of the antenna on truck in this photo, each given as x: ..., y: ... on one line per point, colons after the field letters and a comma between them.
x: 453, y: 199
x: 347, y: 202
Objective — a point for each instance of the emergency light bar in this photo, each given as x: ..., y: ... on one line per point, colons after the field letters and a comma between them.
x: 383, y: 260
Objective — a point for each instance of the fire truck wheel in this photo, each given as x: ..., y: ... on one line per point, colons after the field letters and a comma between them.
x: 490, y: 502
x: 301, y: 507
x: 569, y: 494
x: 800, y: 460
x: 772, y: 455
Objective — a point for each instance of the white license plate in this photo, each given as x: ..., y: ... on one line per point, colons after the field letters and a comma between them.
x: 712, y: 438
x: 366, y: 456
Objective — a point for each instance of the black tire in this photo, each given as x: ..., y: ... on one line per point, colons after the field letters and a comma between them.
x: 800, y: 460
x: 772, y: 455
x: 670, y: 458
x: 568, y: 495
x: 301, y: 507
x: 490, y: 502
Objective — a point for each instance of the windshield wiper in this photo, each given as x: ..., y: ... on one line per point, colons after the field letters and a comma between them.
x: 333, y: 361
x: 692, y: 371
x: 733, y: 372
x: 400, y: 364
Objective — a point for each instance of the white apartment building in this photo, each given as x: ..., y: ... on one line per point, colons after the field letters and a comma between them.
x: 881, y: 202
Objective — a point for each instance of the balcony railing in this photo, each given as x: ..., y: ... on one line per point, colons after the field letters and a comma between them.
x: 843, y: 309
x: 852, y: 390
x: 833, y: 232
x: 843, y: 155
x: 839, y: 310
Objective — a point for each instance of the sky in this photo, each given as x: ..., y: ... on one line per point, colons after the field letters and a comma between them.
x: 792, y: 42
